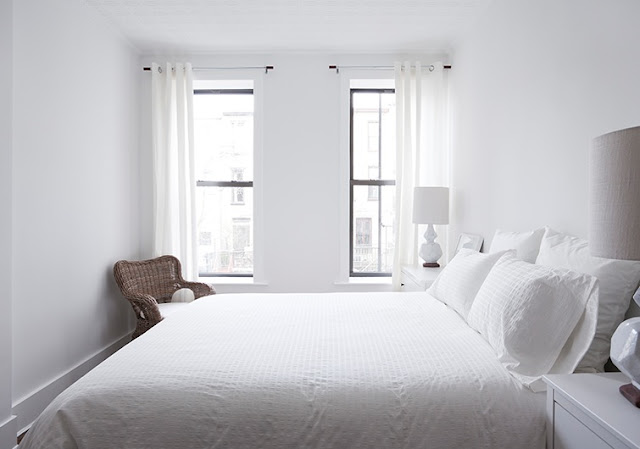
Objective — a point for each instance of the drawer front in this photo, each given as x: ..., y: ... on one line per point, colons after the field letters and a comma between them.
x: 569, y: 433
x: 409, y: 286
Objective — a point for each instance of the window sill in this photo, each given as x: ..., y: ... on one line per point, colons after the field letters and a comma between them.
x: 231, y: 280
x: 378, y: 280
x: 365, y: 284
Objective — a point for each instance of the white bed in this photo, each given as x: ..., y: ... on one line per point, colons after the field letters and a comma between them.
x: 334, y: 370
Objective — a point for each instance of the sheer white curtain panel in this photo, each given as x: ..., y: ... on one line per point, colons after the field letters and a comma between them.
x: 173, y: 163
x: 422, y: 151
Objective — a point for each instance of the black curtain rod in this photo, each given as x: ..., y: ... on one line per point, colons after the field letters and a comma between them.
x: 266, y: 68
x: 375, y: 67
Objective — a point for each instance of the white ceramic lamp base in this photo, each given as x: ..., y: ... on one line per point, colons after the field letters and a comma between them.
x: 430, y: 251
x: 625, y: 354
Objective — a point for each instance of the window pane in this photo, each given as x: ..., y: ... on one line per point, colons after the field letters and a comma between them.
x: 373, y: 232
x: 388, y: 119
x: 374, y: 128
x: 225, y: 230
x: 365, y: 134
x: 223, y: 132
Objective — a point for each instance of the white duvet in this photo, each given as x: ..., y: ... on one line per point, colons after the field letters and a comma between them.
x: 334, y: 370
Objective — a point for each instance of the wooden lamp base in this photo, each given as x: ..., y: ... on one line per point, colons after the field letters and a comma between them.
x: 430, y: 265
x: 632, y: 394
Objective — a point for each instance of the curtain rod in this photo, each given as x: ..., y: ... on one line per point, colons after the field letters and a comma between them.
x: 374, y: 67
x: 266, y: 68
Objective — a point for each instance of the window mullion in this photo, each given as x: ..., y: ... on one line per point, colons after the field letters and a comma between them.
x: 224, y: 183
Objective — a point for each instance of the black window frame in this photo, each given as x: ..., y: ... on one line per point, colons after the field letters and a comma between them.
x: 378, y: 183
x: 230, y: 183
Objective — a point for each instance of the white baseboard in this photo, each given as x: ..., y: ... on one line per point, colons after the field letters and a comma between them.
x: 8, y: 433
x: 27, y: 408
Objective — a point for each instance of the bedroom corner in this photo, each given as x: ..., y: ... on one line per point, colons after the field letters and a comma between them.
x: 69, y: 177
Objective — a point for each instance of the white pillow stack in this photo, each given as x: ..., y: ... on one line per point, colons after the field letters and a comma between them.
x: 527, y: 314
x: 525, y: 243
x: 460, y: 280
x: 539, y: 319
x: 618, y: 281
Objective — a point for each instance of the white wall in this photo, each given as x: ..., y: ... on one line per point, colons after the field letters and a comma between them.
x: 7, y: 422
x: 75, y: 194
x: 533, y: 84
x: 305, y: 158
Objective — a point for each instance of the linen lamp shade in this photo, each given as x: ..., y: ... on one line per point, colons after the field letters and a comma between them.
x: 614, y: 231
x: 431, y: 205
x: 614, y: 215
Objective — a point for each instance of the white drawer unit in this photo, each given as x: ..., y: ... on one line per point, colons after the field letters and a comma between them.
x: 586, y: 411
x: 418, y: 278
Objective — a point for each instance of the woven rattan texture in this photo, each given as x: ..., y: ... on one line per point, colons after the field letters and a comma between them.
x: 146, y: 283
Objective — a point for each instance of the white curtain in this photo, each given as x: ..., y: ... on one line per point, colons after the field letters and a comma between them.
x: 422, y: 151
x: 173, y: 163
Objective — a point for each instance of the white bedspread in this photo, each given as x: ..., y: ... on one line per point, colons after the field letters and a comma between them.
x: 335, y: 370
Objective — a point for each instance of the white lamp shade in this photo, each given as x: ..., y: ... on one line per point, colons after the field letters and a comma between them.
x: 614, y: 189
x: 431, y: 205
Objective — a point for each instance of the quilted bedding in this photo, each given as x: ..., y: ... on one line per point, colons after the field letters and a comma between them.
x: 330, y: 370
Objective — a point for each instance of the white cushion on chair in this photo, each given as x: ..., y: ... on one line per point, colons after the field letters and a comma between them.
x: 167, y: 308
x: 183, y: 295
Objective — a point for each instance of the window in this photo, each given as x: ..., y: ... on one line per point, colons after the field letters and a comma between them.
x: 223, y: 132
x: 372, y: 183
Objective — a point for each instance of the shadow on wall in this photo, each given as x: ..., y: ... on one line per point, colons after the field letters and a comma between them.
x: 118, y: 312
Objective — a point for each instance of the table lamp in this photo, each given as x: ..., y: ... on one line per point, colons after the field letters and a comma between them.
x: 430, y: 206
x: 614, y: 232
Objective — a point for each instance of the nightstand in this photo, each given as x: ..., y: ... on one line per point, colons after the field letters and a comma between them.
x: 586, y: 411
x: 418, y: 278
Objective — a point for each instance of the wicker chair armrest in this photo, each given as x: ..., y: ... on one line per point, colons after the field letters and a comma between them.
x: 147, y: 305
x: 199, y: 288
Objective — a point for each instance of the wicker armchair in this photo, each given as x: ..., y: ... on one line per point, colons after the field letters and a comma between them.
x: 147, y: 283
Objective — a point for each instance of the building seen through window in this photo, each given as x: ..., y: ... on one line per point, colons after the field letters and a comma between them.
x: 224, y: 131
x: 372, y: 184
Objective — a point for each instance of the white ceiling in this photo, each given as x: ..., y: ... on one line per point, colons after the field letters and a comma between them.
x: 161, y: 26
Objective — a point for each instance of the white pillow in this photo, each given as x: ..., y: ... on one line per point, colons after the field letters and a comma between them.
x: 460, y: 280
x: 526, y: 243
x: 618, y: 281
x: 527, y: 312
x: 183, y: 295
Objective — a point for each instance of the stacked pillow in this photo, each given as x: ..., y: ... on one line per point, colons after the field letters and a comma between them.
x: 539, y: 318
x: 526, y: 244
x: 619, y: 280
x: 459, y: 282
x: 527, y: 313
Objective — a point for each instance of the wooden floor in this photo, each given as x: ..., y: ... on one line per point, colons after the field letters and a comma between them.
x: 21, y: 436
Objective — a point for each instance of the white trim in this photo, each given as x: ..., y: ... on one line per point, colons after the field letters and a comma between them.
x: 259, y: 271
x: 226, y: 79
x: 343, y: 182
x: 30, y: 406
x: 355, y: 79
x: 9, y: 432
